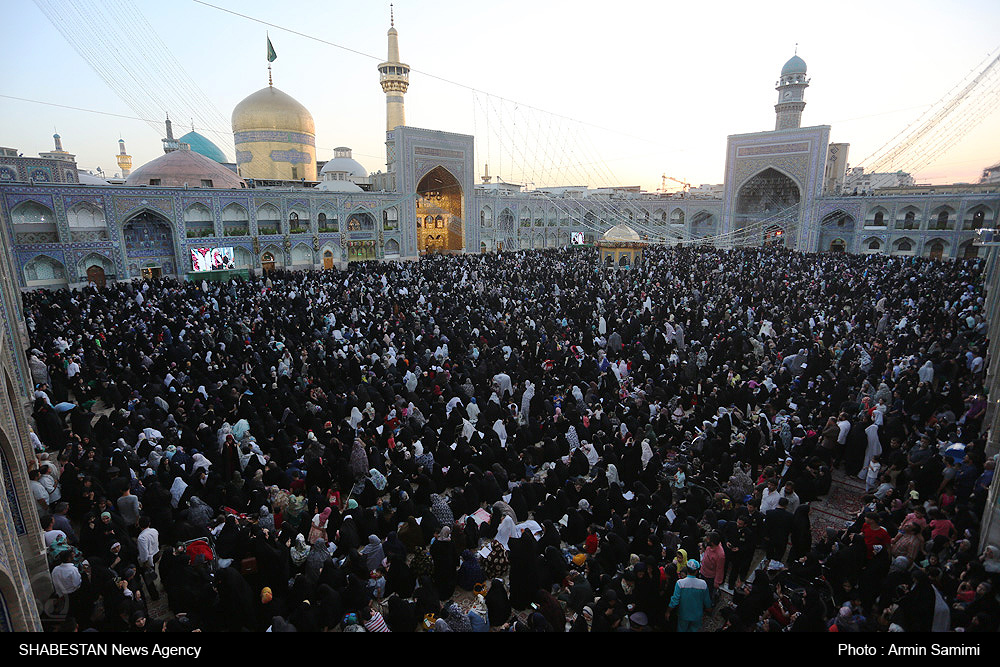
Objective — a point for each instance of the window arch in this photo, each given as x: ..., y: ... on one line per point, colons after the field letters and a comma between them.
x: 909, y: 219
x: 873, y: 245
x: 876, y: 217
x: 32, y: 213
x: 977, y: 217
x: 268, y: 220
x: 903, y: 245
x: 198, y: 221
x: 44, y: 270
x: 84, y: 214
x: 677, y: 217
x: 235, y: 220
x: 390, y: 218
x: 298, y: 221
x: 360, y: 222
x: 943, y: 218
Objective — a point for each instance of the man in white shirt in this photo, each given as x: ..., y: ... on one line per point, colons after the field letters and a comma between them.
x: 38, y: 491
x: 770, y: 496
x: 845, y: 428
x: 148, y: 541
x: 49, y: 482
x: 149, y: 551
x: 66, y: 578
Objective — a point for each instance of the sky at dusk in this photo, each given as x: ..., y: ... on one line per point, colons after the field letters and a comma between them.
x: 634, y: 89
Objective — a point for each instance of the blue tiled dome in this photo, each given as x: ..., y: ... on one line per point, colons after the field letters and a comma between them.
x: 794, y: 66
x: 202, y: 145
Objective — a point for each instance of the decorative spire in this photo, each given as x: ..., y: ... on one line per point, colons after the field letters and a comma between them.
x: 271, y: 57
x: 392, y: 18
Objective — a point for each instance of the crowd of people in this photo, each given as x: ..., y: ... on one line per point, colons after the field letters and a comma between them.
x: 520, y: 442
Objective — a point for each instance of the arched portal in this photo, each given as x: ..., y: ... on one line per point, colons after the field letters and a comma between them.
x: 267, y: 262
x: 149, y: 244
x: 440, y: 195
x: 838, y: 245
x: 96, y: 268
x: 769, y: 199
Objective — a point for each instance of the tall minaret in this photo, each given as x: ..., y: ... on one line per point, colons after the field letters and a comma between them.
x: 791, y: 94
x: 124, y: 159
x: 395, y: 79
x: 170, y: 144
x: 58, y: 153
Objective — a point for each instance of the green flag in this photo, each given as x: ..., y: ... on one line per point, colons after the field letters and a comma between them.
x: 271, y: 55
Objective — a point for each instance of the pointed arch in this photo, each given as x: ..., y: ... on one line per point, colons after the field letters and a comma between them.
x: 44, y: 270
x: 877, y: 216
x: 85, y: 214
x: 677, y: 217
x: 268, y: 219
x: 908, y: 218
x: 942, y: 218
x: 391, y: 249
x: 360, y: 220
x: 968, y: 249
x: 977, y: 217
x: 390, y: 219
x: 242, y: 258
x: 85, y: 272
x: 443, y: 195
x: 872, y: 245
x: 936, y: 248
x: 31, y: 212
x: 301, y: 254
x: 235, y: 220
x: 198, y: 221
x: 904, y: 246
x: 769, y: 196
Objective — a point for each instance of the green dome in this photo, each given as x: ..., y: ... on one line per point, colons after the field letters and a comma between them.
x: 794, y: 66
x: 204, y: 146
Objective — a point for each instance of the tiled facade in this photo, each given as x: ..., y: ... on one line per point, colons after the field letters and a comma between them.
x: 23, y: 568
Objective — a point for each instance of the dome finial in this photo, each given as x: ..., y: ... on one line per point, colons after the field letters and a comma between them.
x: 392, y: 18
x: 796, y: 48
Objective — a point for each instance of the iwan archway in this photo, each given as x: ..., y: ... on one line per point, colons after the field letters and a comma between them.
x: 440, y: 197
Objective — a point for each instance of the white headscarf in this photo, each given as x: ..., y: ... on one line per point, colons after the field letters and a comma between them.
x: 355, y: 417
x: 501, y: 431
x: 176, y: 491
x: 612, y: 474
x: 506, y: 531
x: 647, y: 452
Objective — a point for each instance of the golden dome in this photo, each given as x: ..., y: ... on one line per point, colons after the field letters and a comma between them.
x: 621, y: 234
x: 271, y: 109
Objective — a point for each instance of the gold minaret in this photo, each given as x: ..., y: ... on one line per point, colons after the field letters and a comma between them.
x: 124, y: 159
